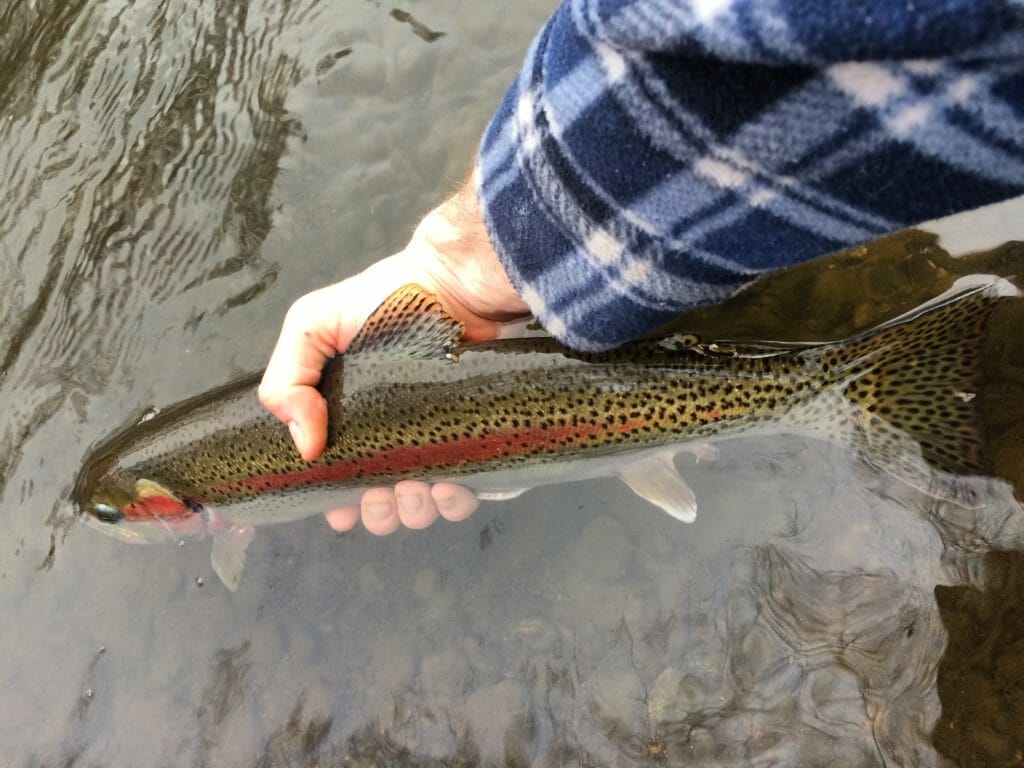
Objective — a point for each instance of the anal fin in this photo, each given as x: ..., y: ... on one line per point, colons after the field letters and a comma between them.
x: 501, y: 495
x: 655, y: 478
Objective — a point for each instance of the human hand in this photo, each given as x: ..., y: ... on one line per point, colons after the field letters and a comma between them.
x: 450, y: 256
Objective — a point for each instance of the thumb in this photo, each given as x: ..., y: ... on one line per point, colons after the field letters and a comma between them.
x: 301, y: 407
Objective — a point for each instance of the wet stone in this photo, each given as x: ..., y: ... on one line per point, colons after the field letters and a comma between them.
x: 742, y: 726
x: 370, y: 584
x: 445, y: 673
x: 537, y: 634
x: 493, y: 713
x: 238, y: 733
x: 702, y: 743
x: 659, y: 550
x: 441, y: 611
x: 427, y: 582
x: 693, y: 696
x: 271, y: 640
x: 302, y: 645
x: 663, y: 696
x: 742, y: 612
x: 834, y: 694
x: 619, y: 694
x: 392, y: 665
x: 321, y: 576
x: 440, y: 732
x: 996, y: 746
x: 480, y: 655
x: 639, y: 614
x: 665, y: 588
x: 1010, y: 668
x: 763, y: 661
x: 603, y: 550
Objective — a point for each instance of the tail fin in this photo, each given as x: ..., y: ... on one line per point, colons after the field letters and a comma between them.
x: 913, y: 387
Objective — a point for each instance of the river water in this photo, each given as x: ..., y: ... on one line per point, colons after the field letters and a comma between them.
x: 174, y: 174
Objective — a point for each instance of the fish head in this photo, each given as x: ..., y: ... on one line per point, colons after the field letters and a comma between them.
x: 132, y: 507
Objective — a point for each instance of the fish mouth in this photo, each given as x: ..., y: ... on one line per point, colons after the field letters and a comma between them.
x: 117, y: 530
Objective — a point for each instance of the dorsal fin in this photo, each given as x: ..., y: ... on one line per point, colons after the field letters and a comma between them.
x: 409, y: 323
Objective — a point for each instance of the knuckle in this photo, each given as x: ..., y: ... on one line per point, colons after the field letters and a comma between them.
x: 266, y: 395
x: 300, y: 308
x: 271, y: 399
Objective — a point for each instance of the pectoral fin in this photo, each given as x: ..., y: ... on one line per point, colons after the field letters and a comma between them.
x: 228, y: 557
x: 656, y: 479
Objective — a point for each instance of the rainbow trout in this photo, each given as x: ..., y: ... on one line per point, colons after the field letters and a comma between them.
x: 409, y: 400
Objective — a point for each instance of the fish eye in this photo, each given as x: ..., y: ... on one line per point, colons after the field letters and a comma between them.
x: 107, y: 513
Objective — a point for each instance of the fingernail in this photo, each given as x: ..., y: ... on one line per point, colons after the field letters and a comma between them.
x: 297, y: 437
x: 410, y: 502
x: 378, y: 510
x: 445, y: 503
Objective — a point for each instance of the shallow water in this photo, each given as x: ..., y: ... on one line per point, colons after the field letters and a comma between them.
x: 174, y: 175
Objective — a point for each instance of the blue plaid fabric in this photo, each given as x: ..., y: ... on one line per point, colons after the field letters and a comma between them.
x: 653, y: 156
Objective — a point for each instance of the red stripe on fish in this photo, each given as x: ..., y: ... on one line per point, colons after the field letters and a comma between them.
x: 450, y: 453
x: 156, y: 506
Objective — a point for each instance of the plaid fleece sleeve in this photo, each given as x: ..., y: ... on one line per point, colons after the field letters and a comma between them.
x: 656, y: 155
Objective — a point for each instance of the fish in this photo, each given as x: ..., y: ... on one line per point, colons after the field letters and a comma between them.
x: 410, y: 399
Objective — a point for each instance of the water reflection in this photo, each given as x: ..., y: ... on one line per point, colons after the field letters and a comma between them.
x: 173, y: 175
x: 134, y: 179
x: 420, y: 29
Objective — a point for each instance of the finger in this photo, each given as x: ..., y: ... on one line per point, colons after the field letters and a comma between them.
x: 342, y: 519
x: 308, y: 339
x: 454, y: 502
x: 287, y: 389
x: 416, y: 507
x: 380, y: 512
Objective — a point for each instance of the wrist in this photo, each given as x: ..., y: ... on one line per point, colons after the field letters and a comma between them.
x: 452, y: 245
x: 455, y: 228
